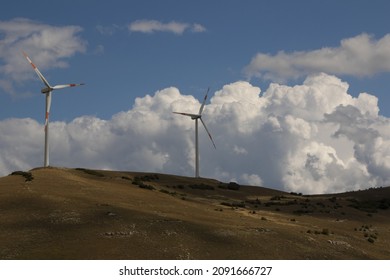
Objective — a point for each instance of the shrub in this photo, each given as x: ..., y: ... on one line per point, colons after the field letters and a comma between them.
x: 165, y: 191
x: 234, y: 204
x: 168, y: 192
x: 201, y: 187
x: 149, y: 178
x: 325, y: 231
x: 233, y: 186
x: 91, y: 172
x: 296, y: 194
x: 254, y: 201
x: 27, y: 175
x: 147, y: 187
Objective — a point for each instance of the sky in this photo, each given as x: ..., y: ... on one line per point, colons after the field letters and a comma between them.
x: 299, y: 92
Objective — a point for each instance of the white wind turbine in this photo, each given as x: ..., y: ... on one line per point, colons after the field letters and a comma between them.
x: 47, y: 91
x: 197, y: 117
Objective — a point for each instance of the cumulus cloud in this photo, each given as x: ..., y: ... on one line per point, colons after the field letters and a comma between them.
x: 47, y: 44
x: 311, y: 138
x: 359, y: 56
x: 152, y: 26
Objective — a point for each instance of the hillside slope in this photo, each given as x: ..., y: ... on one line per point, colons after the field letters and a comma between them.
x: 58, y: 213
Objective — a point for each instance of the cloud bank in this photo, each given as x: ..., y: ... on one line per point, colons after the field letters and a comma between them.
x: 47, y: 44
x: 358, y: 56
x: 152, y: 26
x: 309, y: 138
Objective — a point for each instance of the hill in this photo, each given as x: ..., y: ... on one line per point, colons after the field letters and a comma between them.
x: 58, y: 213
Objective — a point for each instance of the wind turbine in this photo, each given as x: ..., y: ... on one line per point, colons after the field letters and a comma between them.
x: 197, y: 117
x: 47, y: 91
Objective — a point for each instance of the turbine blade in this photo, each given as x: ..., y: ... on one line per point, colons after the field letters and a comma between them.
x: 37, y: 71
x: 65, y: 86
x: 48, y: 105
x: 187, y: 114
x: 204, y: 102
x: 211, y: 138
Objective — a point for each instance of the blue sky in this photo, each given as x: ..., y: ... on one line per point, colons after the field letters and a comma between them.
x: 131, y: 53
x: 122, y: 65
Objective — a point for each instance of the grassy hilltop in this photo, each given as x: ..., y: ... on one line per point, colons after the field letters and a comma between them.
x: 59, y: 213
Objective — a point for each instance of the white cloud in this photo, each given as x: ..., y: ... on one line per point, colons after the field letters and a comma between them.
x: 309, y: 138
x: 198, y: 28
x: 251, y: 179
x: 359, y: 56
x: 151, y: 26
x: 108, y: 30
x: 47, y: 44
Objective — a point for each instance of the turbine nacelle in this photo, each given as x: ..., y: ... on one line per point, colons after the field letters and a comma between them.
x: 46, y: 90
x: 195, y: 117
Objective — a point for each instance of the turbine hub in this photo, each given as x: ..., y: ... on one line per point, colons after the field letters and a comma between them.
x: 46, y: 90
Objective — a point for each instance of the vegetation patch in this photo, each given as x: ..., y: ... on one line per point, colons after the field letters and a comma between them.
x: 147, y: 187
x: 148, y: 178
x: 139, y: 180
x: 91, y: 172
x: 234, y: 204
x: 324, y: 231
x: 370, y: 206
x: 168, y: 192
x: 369, y: 233
x: 233, y: 186
x: 27, y: 175
x: 302, y: 211
x: 201, y: 187
x: 296, y: 194
x: 255, y: 202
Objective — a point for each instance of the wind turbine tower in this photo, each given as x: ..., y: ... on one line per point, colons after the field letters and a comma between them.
x: 197, y: 117
x: 47, y: 91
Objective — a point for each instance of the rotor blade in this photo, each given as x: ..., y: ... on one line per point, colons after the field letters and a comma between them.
x: 204, y: 102
x: 37, y: 71
x: 48, y: 105
x: 68, y: 85
x: 187, y: 114
x: 211, y: 138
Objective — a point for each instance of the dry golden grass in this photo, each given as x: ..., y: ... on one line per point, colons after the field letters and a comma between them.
x: 59, y: 213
